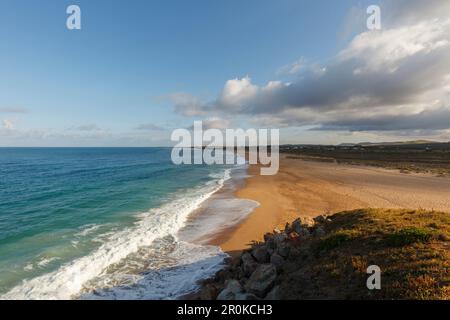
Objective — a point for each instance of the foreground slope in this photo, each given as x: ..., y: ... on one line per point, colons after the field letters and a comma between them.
x: 328, y: 259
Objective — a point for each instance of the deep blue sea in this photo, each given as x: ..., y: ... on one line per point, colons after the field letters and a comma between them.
x: 105, y: 223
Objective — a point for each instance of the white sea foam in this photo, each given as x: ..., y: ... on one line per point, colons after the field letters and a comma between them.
x: 87, y: 229
x: 172, y: 272
x: 69, y: 280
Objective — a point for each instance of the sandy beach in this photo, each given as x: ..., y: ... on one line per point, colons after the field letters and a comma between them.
x: 313, y: 188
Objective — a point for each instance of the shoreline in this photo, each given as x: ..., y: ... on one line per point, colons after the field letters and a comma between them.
x: 309, y: 188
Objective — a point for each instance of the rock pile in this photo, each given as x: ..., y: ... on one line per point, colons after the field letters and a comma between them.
x: 253, y: 274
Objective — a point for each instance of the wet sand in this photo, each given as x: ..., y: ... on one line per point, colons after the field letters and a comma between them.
x: 313, y: 188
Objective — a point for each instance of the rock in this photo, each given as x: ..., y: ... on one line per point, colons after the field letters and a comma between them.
x: 262, y: 280
x: 209, y: 292
x: 274, y: 294
x: 279, y: 238
x: 287, y: 228
x: 260, y: 254
x: 320, y: 219
x: 248, y: 264
x: 277, y: 261
x: 239, y: 273
x: 245, y: 296
x: 232, y: 287
x: 283, y: 250
x: 304, y: 233
x: 319, y: 232
x: 301, y: 225
x: 293, y: 236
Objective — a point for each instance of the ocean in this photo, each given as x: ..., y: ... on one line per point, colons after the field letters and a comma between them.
x: 111, y: 223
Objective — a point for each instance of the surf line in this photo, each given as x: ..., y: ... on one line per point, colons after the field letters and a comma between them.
x: 201, y: 311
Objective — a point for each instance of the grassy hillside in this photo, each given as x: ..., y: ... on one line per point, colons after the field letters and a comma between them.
x: 328, y: 259
x: 411, y: 248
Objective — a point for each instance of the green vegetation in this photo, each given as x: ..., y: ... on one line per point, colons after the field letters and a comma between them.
x: 408, y: 236
x: 410, y: 246
x: 336, y: 239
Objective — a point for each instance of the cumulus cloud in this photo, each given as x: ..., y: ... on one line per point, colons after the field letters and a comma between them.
x: 293, y: 68
x: 214, y: 123
x: 7, y: 124
x: 186, y: 104
x: 397, y: 78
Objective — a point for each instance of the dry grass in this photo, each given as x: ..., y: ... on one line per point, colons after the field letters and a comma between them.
x: 410, y: 246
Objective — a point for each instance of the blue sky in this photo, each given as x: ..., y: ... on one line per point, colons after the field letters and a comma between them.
x: 97, y: 85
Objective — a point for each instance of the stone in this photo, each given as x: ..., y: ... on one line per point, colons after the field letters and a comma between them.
x: 248, y: 264
x: 293, y: 236
x: 209, y: 292
x: 245, y: 296
x: 279, y: 238
x: 304, y: 233
x: 283, y: 250
x: 260, y: 254
x: 320, y: 219
x: 287, y: 228
x: 262, y: 280
x: 274, y: 294
x: 319, y: 232
x: 277, y: 261
x: 232, y: 287
x: 301, y: 225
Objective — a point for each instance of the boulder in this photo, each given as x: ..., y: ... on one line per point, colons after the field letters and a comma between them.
x: 274, y: 294
x: 262, y: 280
x: 319, y: 232
x: 287, y: 228
x: 261, y: 254
x: 209, y: 292
x: 293, y: 236
x: 232, y: 287
x: 279, y: 238
x: 320, y: 219
x: 277, y: 261
x: 301, y: 225
x: 248, y: 264
x: 283, y: 250
x: 245, y: 296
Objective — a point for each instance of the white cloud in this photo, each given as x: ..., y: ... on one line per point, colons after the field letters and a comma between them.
x: 237, y: 92
x: 7, y: 124
x: 293, y: 68
x: 394, y: 79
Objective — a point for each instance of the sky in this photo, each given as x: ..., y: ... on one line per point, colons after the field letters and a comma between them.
x: 137, y: 70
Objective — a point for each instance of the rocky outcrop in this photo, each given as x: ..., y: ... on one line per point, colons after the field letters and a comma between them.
x: 254, y: 273
x: 262, y: 280
x: 232, y: 288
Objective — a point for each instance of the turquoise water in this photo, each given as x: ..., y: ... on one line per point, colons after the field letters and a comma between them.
x: 73, y: 215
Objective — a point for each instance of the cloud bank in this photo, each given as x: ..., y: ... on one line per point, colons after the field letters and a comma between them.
x: 394, y: 79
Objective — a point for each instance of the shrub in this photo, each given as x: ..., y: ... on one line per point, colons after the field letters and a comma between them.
x: 408, y: 236
x: 335, y: 240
